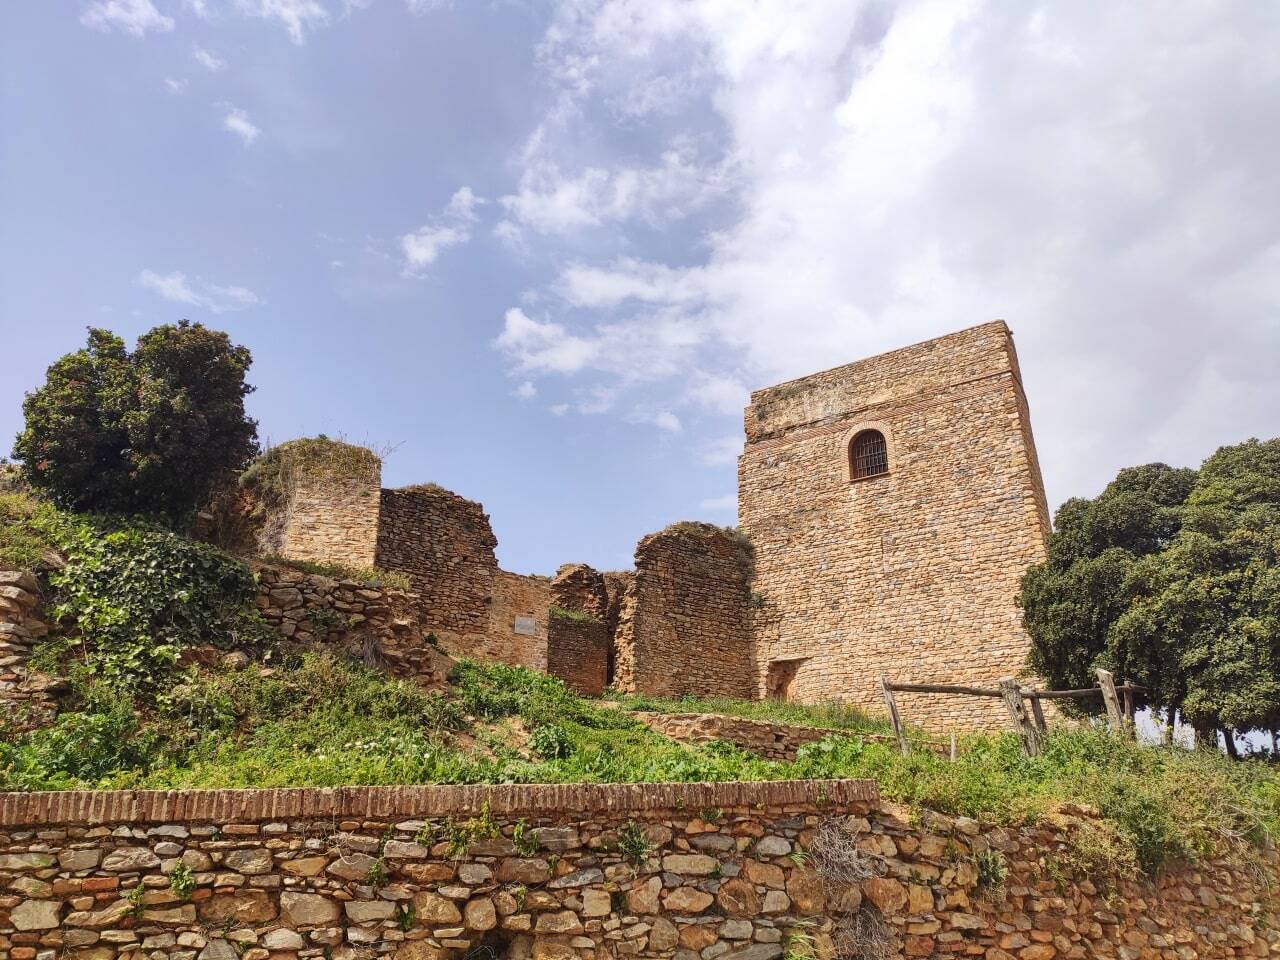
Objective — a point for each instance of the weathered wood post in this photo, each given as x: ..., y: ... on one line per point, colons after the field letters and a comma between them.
x: 892, y: 706
x: 1115, y: 716
x: 1037, y: 712
x: 1012, y: 695
x: 953, y: 746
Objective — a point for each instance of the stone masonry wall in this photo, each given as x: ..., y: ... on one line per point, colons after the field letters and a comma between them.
x: 29, y: 697
x: 578, y: 652
x: 683, y: 625
x: 668, y: 872
x: 519, y: 621
x: 912, y: 573
x: 381, y: 625
x: 579, y: 638
x: 444, y: 544
x: 327, y: 517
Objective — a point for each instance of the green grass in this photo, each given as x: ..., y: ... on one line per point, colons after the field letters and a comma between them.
x: 835, y: 716
x: 21, y: 546
x: 340, y: 571
x: 318, y: 720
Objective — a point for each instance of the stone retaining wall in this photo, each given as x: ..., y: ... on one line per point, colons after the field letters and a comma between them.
x: 29, y: 697
x: 682, y: 871
x: 384, y: 626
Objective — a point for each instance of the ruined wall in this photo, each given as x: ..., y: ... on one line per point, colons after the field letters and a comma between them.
x: 912, y: 573
x: 323, y: 505
x: 444, y: 544
x: 669, y: 872
x: 578, y: 651
x: 518, y: 621
x: 683, y: 624
x: 28, y: 696
x: 579, y: 639
x: 381, y: 625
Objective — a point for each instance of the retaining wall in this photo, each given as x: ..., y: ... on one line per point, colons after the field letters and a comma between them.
x: 683, y: 871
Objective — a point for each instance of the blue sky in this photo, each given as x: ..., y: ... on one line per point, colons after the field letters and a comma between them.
x: 545, y: 249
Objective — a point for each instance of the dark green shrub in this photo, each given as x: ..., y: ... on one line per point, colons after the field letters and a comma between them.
x: 152, y: 432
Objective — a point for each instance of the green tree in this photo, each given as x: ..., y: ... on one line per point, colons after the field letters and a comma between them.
x: 1202, y: 626
x: 150, y: 432
x: 1073, y: 599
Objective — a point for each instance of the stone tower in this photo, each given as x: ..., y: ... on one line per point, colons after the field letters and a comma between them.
x: 894, y: 503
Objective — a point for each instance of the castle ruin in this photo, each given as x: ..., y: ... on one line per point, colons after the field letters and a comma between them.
x: 888, y: 509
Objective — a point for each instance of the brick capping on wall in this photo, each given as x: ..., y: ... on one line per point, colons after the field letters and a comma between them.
x: 89, y: 807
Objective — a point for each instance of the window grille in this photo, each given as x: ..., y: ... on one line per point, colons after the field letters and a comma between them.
x: 868, y: 455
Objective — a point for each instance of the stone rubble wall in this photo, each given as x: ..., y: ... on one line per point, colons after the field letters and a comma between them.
x: 676, y: 872
x: 518, y: 601
x: 578, y: 652
x: 382, y: 625
x: 683, y: 624
x: 326, y: 519
x: 29, y: 697
x: 445, y: 545
x: 914, y: 573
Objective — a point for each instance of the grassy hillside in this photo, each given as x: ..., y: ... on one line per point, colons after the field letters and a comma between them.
x: 143, y: 713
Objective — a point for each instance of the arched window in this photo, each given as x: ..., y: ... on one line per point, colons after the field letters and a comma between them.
x: 868, y: 455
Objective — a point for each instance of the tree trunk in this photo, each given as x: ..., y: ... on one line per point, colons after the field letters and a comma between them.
x: 1229, y: 737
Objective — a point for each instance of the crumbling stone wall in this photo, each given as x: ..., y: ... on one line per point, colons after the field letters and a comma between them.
x: 668, y: 872
x: 444, y: 544
x: 579, y: 640
x: 323, y: 504
x: 912, y: 573
x: 519, y: 622
x: 578, y: 651
x: 29, y: 697
x: 381, y: 625
x: 683, y: 626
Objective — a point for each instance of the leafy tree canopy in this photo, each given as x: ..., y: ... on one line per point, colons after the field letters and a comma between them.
x: 1170, y: 578
x: 152, y: 432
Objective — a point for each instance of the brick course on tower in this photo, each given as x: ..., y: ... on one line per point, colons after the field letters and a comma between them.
x: 910, y: 573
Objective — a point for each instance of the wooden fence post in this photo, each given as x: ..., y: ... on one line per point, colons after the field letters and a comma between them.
x: 892, y: 705
x: 953, y: 746
x: 1114, y: 714
x: 1012, y: 695
x: 1037, y: 713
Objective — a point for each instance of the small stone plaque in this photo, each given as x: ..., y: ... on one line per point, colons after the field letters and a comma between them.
x: 527, y: 626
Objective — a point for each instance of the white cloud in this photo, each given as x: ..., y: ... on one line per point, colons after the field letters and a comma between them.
x: 526, y: 390
x: 135, y: 17
x: 668, y: 421
x: 542, y: 347
x: 297, y: 16
x: 176, y: 288
x: 237, y: 121
x: 560, y: 409
x: 422, y: 6
x: 726, y: 503
x: 176, y: 86
x: 720, y: 451
x: 1102, y: 179
x: 551, y: 202
x: 209, y: 61
x: 199, y: 7
x: 451, y: 228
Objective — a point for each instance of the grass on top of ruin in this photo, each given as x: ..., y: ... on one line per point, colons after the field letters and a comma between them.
x: 830, y: 715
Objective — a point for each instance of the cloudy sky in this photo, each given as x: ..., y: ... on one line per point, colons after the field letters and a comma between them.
x: 545, y: 249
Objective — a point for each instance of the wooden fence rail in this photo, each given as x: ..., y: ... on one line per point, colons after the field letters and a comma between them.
x: 1030, y: 724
